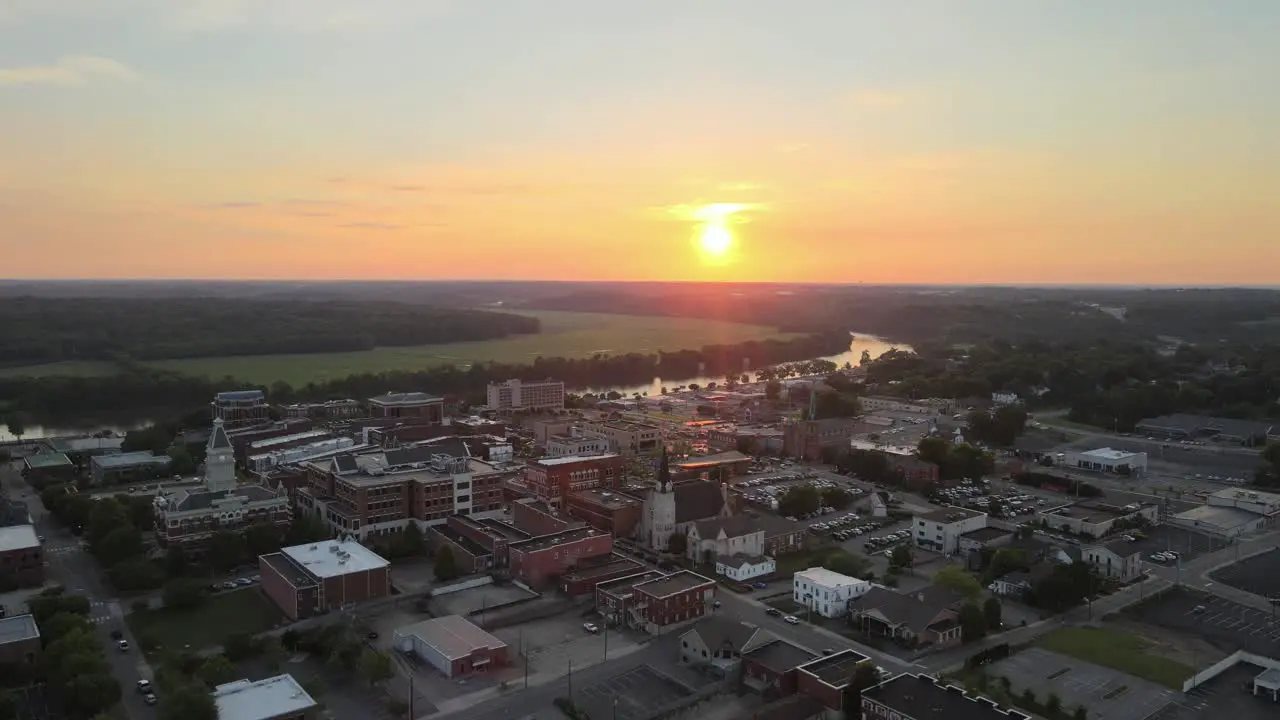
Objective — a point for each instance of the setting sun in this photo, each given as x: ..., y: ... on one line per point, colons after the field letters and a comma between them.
x: 715, y: 238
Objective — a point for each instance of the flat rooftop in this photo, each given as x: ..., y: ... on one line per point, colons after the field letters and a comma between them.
x: 1107, y: 453
x: 674, y: 583
x: 1088, y: 511
x: 780, y: 656
x: 281, y: 564
x: 142, y: 457
x: 18, y: 537
x: 452, y: 636
x: 624, y: 585
x: 1249, y: 496
x: 836, y: 669
x: 606, y: 498
x: 467, y: 543
x: 950, y: 514
x: 332, y: 558
x: 286, y: 439
x: 628, y: 426
x: 1218, y: 517
x: 543, y: 542
x: 567, y: 459
x: 41, y: 461
x: 986, y: 533
x: 827, y: 578
x: 616, y: 564
x: 260, y: 700
x: 17, y: 628
x: 921, y: 696
x: 409, y: 398
x: 733, y: 456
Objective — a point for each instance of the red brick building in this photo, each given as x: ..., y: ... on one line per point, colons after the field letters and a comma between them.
x: 452, y: 645
x: 606, y: 511
x: 921, y: 697
x: 806, y: 439
x: 676, y: 598
x: 21, y: 557
x: 825, y: 678
x: 721, y: 466
x: 540, y: 561
x: 19, y: 640
x: 771, y: 669
x: 477, y: 545
x: 537, y: 518
x: 418, y: 405
x: 615, y: 598
x: 583, y: 579
x: 307, y: 580
x: 916, y: 473
x: 551, y: 480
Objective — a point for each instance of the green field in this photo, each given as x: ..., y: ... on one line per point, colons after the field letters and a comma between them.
x: 564, y: 334
x: 1121, y: 651
x: 71, y: 368
x: 241, y: 611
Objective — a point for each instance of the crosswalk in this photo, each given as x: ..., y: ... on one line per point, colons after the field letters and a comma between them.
x: 61, y: 549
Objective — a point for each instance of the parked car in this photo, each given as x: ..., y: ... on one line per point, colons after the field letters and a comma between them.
x: 123, y: 645
x: 591, y: 628
x: 791, y: 620
x: 144, y: 686
x: 773, y: 612
x: 150, y: 699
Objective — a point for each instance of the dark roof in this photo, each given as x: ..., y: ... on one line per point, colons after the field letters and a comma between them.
x: 423, y: 452
x: 219, y: 440
x: 773, y: 525
x: 794, y: 707
x: 949, y: 514
x: 915, y: 610
x: 13, y: 512
x: 985, y: 534
x: 733, y: 526
x: 697, y: 500
x: 241, y: 395
x: 288, y: 569
x: 47, y: 460
x: 1201, y: 424
x: 737, y: 560
x: 345, y: 464
x: 664, y: 471
x: 926, y: 698
x: 184, y: 501
x: 835, y: 670
x: 718, y: 633
x: 780, y: 656
x: 1121, y: 547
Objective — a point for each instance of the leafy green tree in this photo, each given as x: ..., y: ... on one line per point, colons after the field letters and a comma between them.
x: 836, y: 498
x: 375, y: 667
x: 262, y: 539
x: 13, y: 422
x: 993, y: 613
x: 217, y: 670
x: 901, y: 557
x: 678, y: 543
x: 122, y: 543
x: 238, y: 646
x: 1053, y: 705
x: 136, y: 573
x: 106, y: 517
x: 188, y: 702
x: 180, y: 460
x: 845, y: 563
x: 88, y: 695
x: 306, y: 529
x: 1081, y: 713
x: 973, y: 625
x: 799, y: 500
x: 183, y: 594
x: 864, y: 676
x: 446, y: 565
x: 226, y: 550
x: 956, y: 579
x: 176, y: 562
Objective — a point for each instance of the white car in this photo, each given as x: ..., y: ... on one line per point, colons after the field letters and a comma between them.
x: 791, y: 620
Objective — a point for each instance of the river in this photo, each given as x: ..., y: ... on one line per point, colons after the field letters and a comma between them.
x: 857, y: 343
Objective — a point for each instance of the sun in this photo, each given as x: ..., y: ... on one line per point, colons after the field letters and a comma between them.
x: 715, y: 239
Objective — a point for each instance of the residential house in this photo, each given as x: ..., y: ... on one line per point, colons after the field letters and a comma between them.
x: 1118, y: 560
x: 825, y: 592
x: 1018, y: 583
x: 770, y: 668
x: 745, y: 567
x: 720, y: 641
x: 929, y: 616
x: 724, y: 536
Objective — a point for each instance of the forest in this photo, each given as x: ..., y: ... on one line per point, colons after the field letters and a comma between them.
x: 43, y: 330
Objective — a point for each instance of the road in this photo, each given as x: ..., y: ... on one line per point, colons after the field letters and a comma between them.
x: 78, y: 572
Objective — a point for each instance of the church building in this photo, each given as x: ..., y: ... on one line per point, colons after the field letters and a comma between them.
x: 671, y: 508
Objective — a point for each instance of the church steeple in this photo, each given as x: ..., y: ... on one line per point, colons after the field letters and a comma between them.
x: 664, y: 473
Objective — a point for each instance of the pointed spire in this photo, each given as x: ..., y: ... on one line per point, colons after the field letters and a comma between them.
x: 664, y: 472
x: 218, y: 439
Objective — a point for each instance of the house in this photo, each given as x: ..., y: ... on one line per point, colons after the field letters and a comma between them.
x: 669, y: 600
x: 940, y: 530
x: 825, y: 592
x: 1018, y: 583
x: 1117, y: 560
x: 724, y: 536
x: 929, y: 616
x: 745, y: 567
x: 770, y: 668
x: 720, y: 641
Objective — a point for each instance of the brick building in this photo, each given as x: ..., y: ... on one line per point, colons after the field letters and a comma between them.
x: 241, y: 408
x: 537, y: 518
x: 48, y: 468
x: 825, y: 678
x: 916, y: 473
x: 615, y: 598
x: 806, y: 439
x: 627, y: 438
x: 421, y: 407
x: 477, y: 545
x: 323, y: 411
x: 21, y: 557
x: 771, y: 669
x: 569, y: 445
x: 671, y: 600
x: 540, y: 561
x: 721, y: 467
x: 583, y: 579
x: 19, y: 640
x: 609, y: 512
x: 308, y: 580
x: 524, y: 395
x: 379, y: 493
x: 452, y: 645
x: 920, y: 697
x: 552, y: 479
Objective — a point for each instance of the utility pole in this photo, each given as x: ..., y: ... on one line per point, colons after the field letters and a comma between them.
x: 570, y: 681
x: 606, y: 639
x: 524, y: 653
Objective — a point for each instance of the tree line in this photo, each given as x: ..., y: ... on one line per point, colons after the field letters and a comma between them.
x: 141, y: 390
x: 43, y: 330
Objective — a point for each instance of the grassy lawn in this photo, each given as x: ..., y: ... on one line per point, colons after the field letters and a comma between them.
x: 564, y: 334
x: 1121, y: 651
x: 240, y: 611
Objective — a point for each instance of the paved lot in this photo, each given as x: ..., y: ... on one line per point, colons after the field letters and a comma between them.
x: 1106, y: 693
x: 1259, y: 574
x: 477, y: 598
x: 1222, y: 697
x: 553, y: 643
x: 1227, y: 625
x: 632, y: 695
x: 1187, y: 543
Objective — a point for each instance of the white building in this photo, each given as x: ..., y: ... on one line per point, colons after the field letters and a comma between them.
x: 519, y: 395
x: 1004, y: 399
x: 940, y: 530
x: 1108, y: 460
x: 724, y: 537
x: 745, y: 567
x: 275, y: 697
x: 825, y: 592
x: 1258, y: 503
x: 567, y: 445
x: 877, y: 403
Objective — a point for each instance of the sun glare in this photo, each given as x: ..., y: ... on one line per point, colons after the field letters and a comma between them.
x: 715, y: 238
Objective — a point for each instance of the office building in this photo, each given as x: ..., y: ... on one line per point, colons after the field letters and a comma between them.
x: 241, y: 408
x: 514, y: 395
x: 309, y: 580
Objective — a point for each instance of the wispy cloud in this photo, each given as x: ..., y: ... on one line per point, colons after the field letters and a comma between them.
x: 879, y: 99
x: 70, y: 71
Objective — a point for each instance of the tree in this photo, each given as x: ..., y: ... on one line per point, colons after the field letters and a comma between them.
x: 1053, y: 705
x: 446, y: 565
x: 217, y: 670
x: 678, y: 543
x: 901, y: 557
x: 122, y: 543
x: 799, y: 500
x: 973, y: 625
x: 995, y: 507
x: 238, y: 646
x: 15, y: 425
x: 306, y: 529
x: 934, y: 450
x: 176, y: 561
x: 955, y: 579
x: 183, y: 594
x: 226, y: 550
x: 374, y: 666
x: 992, y: 612
x: 180, y: 460
x: 1005, y: 561
x: 188, y: 702
x: 1081, y: 713
x: 864, y: 676
x: 134, y: 574
x: 290, y: 640
x: 264, y: 538
x: 836, y: 498
x: 1028, y: 698
x: 845, y: 563
x: 88, y: 695
x: 106, y: 517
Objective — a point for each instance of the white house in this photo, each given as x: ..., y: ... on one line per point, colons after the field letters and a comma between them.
x: 744, y: 567
x: 725, y: 536
x: 1108, y: 461
x: 940, y: 530
x: 825, y: 592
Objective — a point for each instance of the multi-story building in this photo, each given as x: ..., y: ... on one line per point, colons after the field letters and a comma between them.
x: 241, y: 408
x: 570, y: 445
x: 275, y: 698
x: 609, y: 512
x: 921, y: 697
x: 190, y: 516
x: 825, y: 592
x: 547, y: 428
x: 380, y: 493
x: 266, y: 461
x: 616, y: 597
x: 540, y: 560
x: 916, y: 473
x: 123, y: 468
x: 873, y: 403
x: 626, y: 438
x: 722, y: 467
x: 727, y: 536
x: 47, y: 468
x: 781, y: 536
x: 419, y: 407
x: 538, y: 518
x: 940, y: 530
x: 309, y: 580
x: 753, y: 439
x: 826, y: 678
x: 21, y: 557
x: 522, y: 395
x: 327, y: 410
x: 1117, y: 560
x: 19, y: 640
x: 677, y: 598
x: 583, y: 579
x: 553, y: 479
x: 805, y: 439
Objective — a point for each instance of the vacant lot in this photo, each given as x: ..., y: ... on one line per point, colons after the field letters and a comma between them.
x: 1118, y: 651
x: 222, y: 615
x: 1105, y: 693
x: 1259, y: 574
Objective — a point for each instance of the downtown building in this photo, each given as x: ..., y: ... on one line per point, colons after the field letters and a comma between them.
x: 552, y: 480
x: 514, y: 395
x: 241, y: 408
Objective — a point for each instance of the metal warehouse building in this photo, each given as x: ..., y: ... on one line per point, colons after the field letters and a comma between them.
x: 452, y: 645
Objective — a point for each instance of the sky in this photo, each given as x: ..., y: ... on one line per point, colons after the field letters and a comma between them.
x: 917, y: 141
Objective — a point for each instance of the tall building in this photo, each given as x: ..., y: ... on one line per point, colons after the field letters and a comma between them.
x: 416, y: 406
x: 519, y: 395
x: 241, y: 408
x: 553, y: 479
x: 661, y: 507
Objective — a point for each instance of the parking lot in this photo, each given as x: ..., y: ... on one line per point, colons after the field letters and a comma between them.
x: 1223, y: 696
x: 553, y: 643
x: 632, y: 695
x: 1189, y: 544
x: 1259, y: 574
x: 1107, y: 694
x: 1227, y: 625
